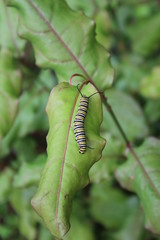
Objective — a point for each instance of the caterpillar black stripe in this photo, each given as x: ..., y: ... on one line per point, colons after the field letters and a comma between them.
x: 79, y: 122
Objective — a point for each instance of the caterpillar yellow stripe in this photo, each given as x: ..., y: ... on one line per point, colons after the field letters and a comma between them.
x: 79, y: 123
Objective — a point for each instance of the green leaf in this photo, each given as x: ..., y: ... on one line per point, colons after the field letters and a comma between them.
x: 5, y: 184
x: 128, y: 113
x: 104, y: 201
x: 5, y: 232
x: 19, y: 200
x: 66, y: 170
x: 81, y: 229
x: 31, y: 108
x: 147, y: 186
x: 150, y: 85
x: 10, y: 83
x: 86, y: 6
x: 51, y: 26
x: 10, y: 76
x: 29, y: 173
x: 109, y: 205
x: 113, y: 155
x: 8, y: 28
x: 133, y: 223
x: 103, y: 27
x: 130, y: 72
x: 152, y: 110
x: 150, y: 44
x: 81, y: 226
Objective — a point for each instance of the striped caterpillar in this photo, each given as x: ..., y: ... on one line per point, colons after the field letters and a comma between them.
x: 79, y: 130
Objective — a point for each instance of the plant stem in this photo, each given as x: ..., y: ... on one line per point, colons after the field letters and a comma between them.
x: 110, y: 110
x: 128, y: 144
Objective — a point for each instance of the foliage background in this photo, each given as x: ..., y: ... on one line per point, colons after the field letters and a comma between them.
x: 130, y: 31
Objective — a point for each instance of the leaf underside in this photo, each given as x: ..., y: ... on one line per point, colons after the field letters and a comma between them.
x: 66, y: 170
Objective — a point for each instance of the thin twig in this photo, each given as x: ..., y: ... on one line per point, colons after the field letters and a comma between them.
x: 129, y: 146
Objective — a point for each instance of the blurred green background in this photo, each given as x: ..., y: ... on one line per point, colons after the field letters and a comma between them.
x: 130, y: 31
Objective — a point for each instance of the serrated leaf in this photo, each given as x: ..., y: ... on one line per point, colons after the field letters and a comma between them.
x: 66, y: 170
x: 132, y: 177
x: 51, y: 26
x: 128, y: 113
x: 86, y: 6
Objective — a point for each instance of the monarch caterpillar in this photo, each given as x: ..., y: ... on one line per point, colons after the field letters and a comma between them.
x: 79, y: 122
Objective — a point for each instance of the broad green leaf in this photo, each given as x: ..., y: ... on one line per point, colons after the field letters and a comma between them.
x: 152, y: 110
x: 132, y: 177
x: 51, y: 27
x: 81, y: 224
x: 142, y: 44
x: 150, y: 85
x: 128, y: 113
x: 104, y: 201
x: 10, y: 83
x: 133, y: 222
x: 130, y: 72
x: 8, y: 28
x: 86, y: 6
x: 113, y: 155
x: 103, y: 28
x: 20, y: 201
x: 5, y: 184
x: 5, y: 232
x: 66, y: 170
x: 45, y: 234
x: 111, y: 207
x: 29, y: 173
x: 118, y: 213
x: 10, y: 75
x: 31, y: 112
x: 81, y: 229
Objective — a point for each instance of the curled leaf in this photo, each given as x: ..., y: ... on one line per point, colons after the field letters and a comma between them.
x: 66, y: 170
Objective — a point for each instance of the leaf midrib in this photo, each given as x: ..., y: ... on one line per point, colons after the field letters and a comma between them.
x: 61, y: 41
x: 64, y: 155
